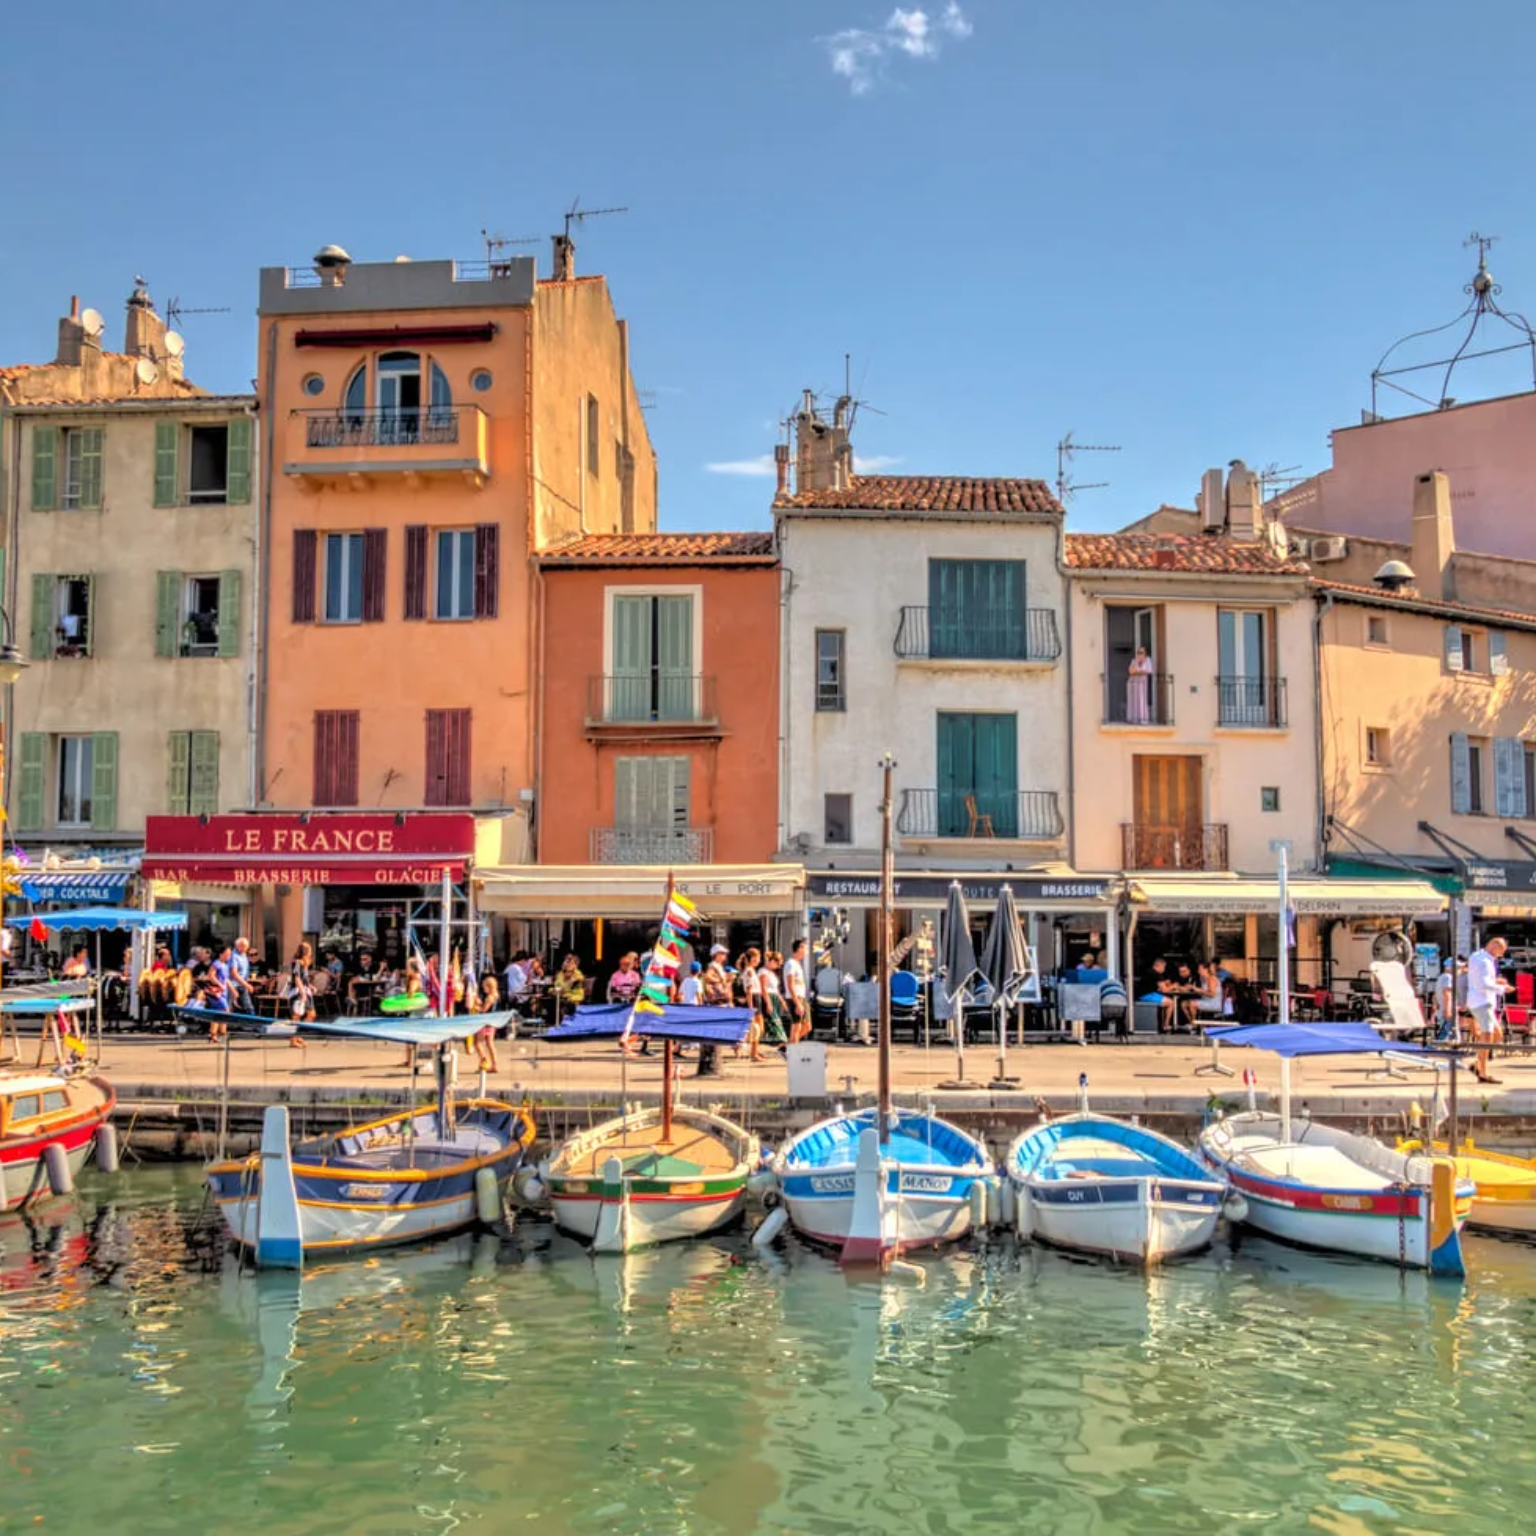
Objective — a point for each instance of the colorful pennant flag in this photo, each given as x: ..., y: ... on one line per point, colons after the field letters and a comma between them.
x: 665, y: 959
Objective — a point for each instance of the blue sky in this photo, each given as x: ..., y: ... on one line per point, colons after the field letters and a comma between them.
x: 1188, y: 228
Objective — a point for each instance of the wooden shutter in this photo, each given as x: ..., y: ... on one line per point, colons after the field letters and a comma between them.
x: 203, y: 781
x: 487, y: 570
x: 229, y: 613
x: 44, y: 615
x: 629, y: 685
x: 1455, y: 655
x: 178, y: 773
x: 996, y: 772
x: 104, y: 781
x: 447, y: 781
x: 375, y: 553
x: 626, y: 791
x: 166, y: 476
x: 1498, y: 652
x: 45, y: 468
x: 1461, y: 774
x: 90, y: 615
x: 674, y: 658
x: 90, y: 467
x: 458, y: 757
x: 237, y: 473
x: 168, y: 586
x: 34, y: 774
x: 956, y: 754
x: 416, y: 571
x: 336, y: 755
x: 304, y: 541
x: 1509, y: 777
x: 676, y: 808
x: 943, y: 608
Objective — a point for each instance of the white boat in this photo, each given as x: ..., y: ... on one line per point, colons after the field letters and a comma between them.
x: 1099, y: 1185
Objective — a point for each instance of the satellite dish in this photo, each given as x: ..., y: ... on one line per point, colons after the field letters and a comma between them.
x: 174, y: 343
x: 92, y: 322
x: 146, y: 371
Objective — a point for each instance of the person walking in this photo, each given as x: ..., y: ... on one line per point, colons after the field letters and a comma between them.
x: 298, y: 991
x: 1485, y: 991
x: 749, y: 995
x: 241, y: 997
x: 795, y: 993
x: 486, y: 1000
x: 771, y: 990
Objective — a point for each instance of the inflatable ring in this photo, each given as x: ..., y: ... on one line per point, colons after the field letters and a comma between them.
x: 403, y: 1002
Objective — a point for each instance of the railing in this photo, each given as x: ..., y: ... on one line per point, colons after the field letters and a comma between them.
x: 651, y: 698
x: 383, y: 428
x: 1027, y: 814
x: 1255, y: 701
x: 947, y: 634
x: 1197, y: 846
x: 652, y: 845
x: 1146, y: 699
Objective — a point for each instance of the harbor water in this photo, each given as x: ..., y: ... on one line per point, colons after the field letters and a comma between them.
x: 147, y: 1385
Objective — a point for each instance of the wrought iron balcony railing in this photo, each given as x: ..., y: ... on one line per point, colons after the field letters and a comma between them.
x: 1023, y: 814
x: 1143, y: 700
x: 946, y: 634
x: 651, y: 698
x: 652, y: 845
x: 428, y: 424
x: 1251, y: 701
x: 1196, y: 846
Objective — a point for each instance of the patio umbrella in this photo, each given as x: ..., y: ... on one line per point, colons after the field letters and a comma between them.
x: 958, y: 972
x: 1005, y: 967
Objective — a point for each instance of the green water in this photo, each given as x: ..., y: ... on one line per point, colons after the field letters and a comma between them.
x: 146, y: 1386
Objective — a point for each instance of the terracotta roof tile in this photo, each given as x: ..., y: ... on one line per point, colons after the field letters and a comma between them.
x: 1176, y: 552
x: 1414, y: 602
x: 662, y: 549
x: 929, y: 493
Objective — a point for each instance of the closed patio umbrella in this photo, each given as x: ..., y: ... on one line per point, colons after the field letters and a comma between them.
x: 1006, y: 970
x: 958, y: 972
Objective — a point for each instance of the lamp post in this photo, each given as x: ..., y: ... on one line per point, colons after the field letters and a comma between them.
x: 12, y: 665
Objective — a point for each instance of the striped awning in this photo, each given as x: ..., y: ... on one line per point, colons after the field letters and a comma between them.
x: 86, y: 887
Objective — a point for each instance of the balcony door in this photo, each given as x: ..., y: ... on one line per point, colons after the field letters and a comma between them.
x: 976, y: 610
x: 399, y: 397
x: 1168, y: 828
x: 1243, y: 648
x: 1127, y: 630
x: 652, y: 674
x: 978, y: 758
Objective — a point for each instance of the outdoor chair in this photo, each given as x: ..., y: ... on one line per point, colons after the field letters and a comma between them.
x: 981, y: 821
x: 906, y: 1005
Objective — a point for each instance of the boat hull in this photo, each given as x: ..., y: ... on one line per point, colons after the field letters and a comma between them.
x: 1136, y: 1221
x: 23, y: 1171
x: 1506, y: 1186
x: 655, y: 1216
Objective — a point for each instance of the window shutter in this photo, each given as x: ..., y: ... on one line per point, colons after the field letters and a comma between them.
x: 437, y: 769
x: 45, y: 468
x: 678, y: 798
x: 447, y: 757
x: 955, y: 755
x: 1509, y: 777
x: 416, y: 571
x: 203, y: 795
x: 44, y: 615
x: 29, y: 801
x: 1498, y: 652
x: 237, y: 474
x: 375, y: 553
x: 626, y: 791
x: 487, y: 570
x: 104, y: 781
x: 166, y: 433
x: 1461, y: 774
x: 1455, y: 660
x: 943, y: 608
x: 336, y: 738
x: 178, y: 773
x: 674, y: 658
x: 90, y: 615
x: 229, y: 613
x: 997, y: 772
x: 629, y: 686
x: 458, y: 757
x: 304, y: 540
x: 90, y: 468
x: 168, y: 612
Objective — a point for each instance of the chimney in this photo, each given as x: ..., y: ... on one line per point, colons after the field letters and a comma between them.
x: 71, y: 335
x: 823, y: 454
x: 1212, y: 502
x: 781, y: 466
x: 331, y: 263
x: 144, y: 334
x: 1244, y: 518
x: 564, y: 268
x: 1434, y: 537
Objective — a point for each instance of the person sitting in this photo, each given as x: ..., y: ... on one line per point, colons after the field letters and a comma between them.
x: 78, y: 965
x: 1160, y: 990
x: 364, y: 986
x: 1186, y: 990
x: 569, y: 986
x: 1209, y: 1002
x: 625, y: 982
x: 1089, y: 972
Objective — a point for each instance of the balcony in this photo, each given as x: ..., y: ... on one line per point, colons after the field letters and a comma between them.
x: 1251, y: 703
x: 1149, y: 705
x: 937, y: 634
x: 1024, y: 815
x: 432, y: 443
x: 1144, y: 846
x: 652, y: 845
x: 652, y: 703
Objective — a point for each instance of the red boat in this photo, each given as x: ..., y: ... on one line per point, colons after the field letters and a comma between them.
x: 39, y: 1110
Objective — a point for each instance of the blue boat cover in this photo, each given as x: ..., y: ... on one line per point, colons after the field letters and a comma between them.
x: 1037, y: 1148
x: 1348, y: 1039
x: 102, y: 919
x: 45, y: 1007
x: 677, y: 1021
x: 400, y: 1029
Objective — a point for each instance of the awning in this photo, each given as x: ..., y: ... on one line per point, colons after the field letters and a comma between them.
x: 638, y: 890
x: 103, y: 920
x: 192, y: 890
x: 1054, y: 888
x: 89, y: 887
x: 1196, y: 895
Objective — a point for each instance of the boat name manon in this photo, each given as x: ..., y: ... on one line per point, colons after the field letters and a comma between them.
x: 925, y: 1183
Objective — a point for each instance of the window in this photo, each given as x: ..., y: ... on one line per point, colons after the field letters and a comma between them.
x: 66, y: 468
x: 1509, y: 778
x: 976, y: 610
x: 1378, y: 746
x: 398, y: 391
x: 978, y: 775
x: 829, y: 669
x: 63, y: 610
x: 356, y: 398
x: 480, y: 380
x: 1376, y: 629
x: 455, y: 574
x: 200, y: 624
x: 76, y: 765
x: 651, y: 812
x: 336, y: 742
x: 197, y: 615
x: 1528, y: 776
x: 839, y: 819
x: 592, y: 431
x: 1476, y: 752
x: 80, y: 774
x: 1137, y: 689
x: 652, y: 675
x: 1468, y: 754
x: 448, y: 757
x: 1476, y: 650
x: 1247, y: 691
x: 208, y: 464
x: 343, y: 578
x: 1269, y: 798
x: 314, y: 384
x: 192, y: 773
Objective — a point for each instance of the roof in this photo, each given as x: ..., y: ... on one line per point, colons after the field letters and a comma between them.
x: 743, y: 547
x: 929, y: 493
x: 1406, y: 602
x: 1202, y: 553
x: 196, y: 400
x: 22, y: 370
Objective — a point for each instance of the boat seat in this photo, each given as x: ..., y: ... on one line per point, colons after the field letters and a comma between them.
x: 1325, y: 1166
x: 1101, y: 1168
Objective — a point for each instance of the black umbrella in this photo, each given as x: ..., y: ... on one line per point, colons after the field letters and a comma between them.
x: 957, y: 966
x: 1005, y: 967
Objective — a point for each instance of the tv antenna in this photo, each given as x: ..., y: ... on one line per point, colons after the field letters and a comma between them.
x: 578, y: 214
x: 1066, y: 451
x: 175, y: 309
x: 497, y: 245
x: 1273, y: 479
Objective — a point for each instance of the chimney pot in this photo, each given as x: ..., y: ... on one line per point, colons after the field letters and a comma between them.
x: 1432, y: 548
x: 781, y: 465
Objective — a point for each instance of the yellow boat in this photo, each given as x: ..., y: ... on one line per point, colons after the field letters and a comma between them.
x: 1506, y: 1186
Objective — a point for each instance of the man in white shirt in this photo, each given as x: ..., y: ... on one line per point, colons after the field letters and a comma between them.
x: 516, y: 977
x: 794, y: 990
x: 1484, y: 989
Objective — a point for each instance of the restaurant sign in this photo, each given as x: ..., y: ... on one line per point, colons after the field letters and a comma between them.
x: 1499, y: 875
x: 324, y: 848
x: 933, y: 890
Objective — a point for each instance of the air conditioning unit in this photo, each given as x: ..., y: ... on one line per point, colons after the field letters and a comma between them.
x: 1324, y: 550
x: 1301, y: 548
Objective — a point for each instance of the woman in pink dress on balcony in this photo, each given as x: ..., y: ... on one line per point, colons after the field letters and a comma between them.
x: 1138, y: 688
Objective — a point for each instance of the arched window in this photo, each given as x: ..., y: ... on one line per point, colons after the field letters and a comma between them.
x: 399, y: 397
x: 357, y: 392
x: 440, y: 418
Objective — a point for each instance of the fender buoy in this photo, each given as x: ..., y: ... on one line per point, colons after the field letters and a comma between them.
x: 487, y: 1196
x: 1007, y: 1203
x: 979, y: 1204
x: 106, y: 1147
x: 769, y: 1228
x: 56, y: 1160
x: 1235, y: 1206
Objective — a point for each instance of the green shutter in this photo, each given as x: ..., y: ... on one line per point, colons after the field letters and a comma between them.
x: 238, y: 464
x: 956, y: 751
x: 90, y: 468
x: 976, y: 609
x: 166, y: 435
x: 229, y: 613
x: 44, y: 615
x: 45, y: 468
x: 29, y: 803
x: 630, y: 686
x: 203, y: 799
x: 626, y: 791
x: 168, y: 585
x: 943, y: 608
x: 90, y: 615
x: 178, y: 773
x: 997, y: 771
x: 674, y: 658
x: 104, y: 781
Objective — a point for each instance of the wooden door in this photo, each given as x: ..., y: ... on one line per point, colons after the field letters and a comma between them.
x: 1169, y: 812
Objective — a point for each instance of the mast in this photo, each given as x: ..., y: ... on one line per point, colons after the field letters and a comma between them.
x: 666, y: 1045
x: 444, y: 1001
x: 883, y: 945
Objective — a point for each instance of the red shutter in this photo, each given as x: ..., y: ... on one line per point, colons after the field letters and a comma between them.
x: 336, y: 735
x: 447, y: 757
x: 458, y: 757
x: 375, y: 549
x: 304, y: 575
x: 416, y: 571
x: 487, y: 570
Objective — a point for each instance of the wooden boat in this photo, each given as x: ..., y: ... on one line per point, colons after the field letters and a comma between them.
x: 1099, y: 1185
x: 1505, y: 1200
x: 657, y: 1174
x: 49, y: 1127
x: 399, y: 1179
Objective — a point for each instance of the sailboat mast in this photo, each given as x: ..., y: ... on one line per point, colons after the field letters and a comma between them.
x: 883, y: 944
x: 666, y: 1048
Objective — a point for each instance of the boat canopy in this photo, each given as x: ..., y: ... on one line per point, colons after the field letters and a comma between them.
x: 102, y: 919
x: 402, y: 1029
x: 1343, y: 1039
x: 45, y: 1007
x: 677, y: 1021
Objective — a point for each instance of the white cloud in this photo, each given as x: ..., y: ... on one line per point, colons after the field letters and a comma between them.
x: 874, y: 463
x: 859, y: 54
x: 761, y: 465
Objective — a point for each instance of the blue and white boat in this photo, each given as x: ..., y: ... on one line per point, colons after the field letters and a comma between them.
x: 1099, y: 1185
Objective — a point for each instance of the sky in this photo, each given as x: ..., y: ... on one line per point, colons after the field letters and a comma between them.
x: 1187, y: 229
